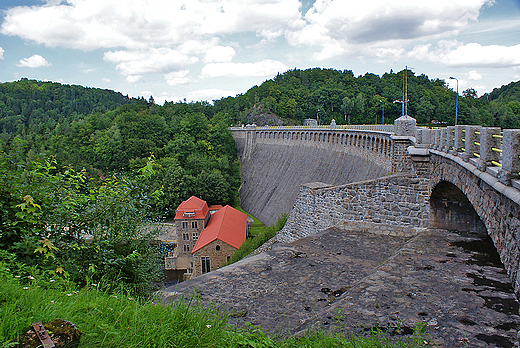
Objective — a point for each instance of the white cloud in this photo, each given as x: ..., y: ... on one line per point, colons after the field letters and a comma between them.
x: 34, y: 61
x: 476, y: 55
x: 92, y: 24
x: 106, y: 80
x: 178, y: 78
x: 454, y: 54
x: 134, y: 78
x: 209, y: 94
x: 266, y: 67
x: 474, y: 75
x: 219, y: 54
x: 360, y: 28
x: 1, y: 53
x: 135, y: 64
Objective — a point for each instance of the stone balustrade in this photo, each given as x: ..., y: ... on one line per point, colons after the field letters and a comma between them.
x: 490, y: 149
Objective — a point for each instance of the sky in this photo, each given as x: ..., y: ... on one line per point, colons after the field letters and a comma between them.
x: 206, y: 50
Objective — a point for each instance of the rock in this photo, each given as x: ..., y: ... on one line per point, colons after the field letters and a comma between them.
x: 62, y: 333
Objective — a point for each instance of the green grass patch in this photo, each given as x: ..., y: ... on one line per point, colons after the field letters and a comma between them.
x: 116, y: 320
x: 259, y: 234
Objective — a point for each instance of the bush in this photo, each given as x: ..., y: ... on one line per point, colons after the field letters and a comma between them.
x: 60, y: 222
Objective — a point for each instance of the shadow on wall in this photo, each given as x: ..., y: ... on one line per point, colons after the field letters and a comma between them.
x: 450, y: 209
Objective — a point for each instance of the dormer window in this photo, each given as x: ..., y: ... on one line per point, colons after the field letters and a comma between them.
x: 188, y: 214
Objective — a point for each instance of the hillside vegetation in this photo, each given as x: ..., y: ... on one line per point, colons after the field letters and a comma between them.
x: 327, y: 94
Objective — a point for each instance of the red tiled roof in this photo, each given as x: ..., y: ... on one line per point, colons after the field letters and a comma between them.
x: 228, y: 225
x: 192, y: 205
x: 215, y: 207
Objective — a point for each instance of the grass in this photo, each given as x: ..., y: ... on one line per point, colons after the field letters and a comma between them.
x: 259, y: 234
x: 116, y: 320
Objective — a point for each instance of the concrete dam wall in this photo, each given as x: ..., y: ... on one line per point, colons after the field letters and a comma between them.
x: 274, y: 165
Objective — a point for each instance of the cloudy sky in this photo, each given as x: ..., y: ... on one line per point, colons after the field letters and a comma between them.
x: 206, y: 49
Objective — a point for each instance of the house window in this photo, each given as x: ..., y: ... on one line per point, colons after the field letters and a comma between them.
x: 194, y: 224
x: 205, y: 264
x: 186, y: 248
x: 185, y: 224
x: 185, y: 236
x: 195, y: 236
x: 217, y: 248
x: 189, y: 270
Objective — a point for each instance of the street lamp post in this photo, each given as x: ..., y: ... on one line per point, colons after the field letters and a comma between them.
x: 456, y: 99
x: 383, y: 113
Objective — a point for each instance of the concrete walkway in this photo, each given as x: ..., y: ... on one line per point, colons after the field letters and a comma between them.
x: 353, y: 281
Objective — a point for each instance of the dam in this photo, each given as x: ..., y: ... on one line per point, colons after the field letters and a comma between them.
x: 398, y: 245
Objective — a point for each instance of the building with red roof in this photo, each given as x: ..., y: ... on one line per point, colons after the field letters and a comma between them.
x: 191, y: 218
x: 224, y: 234
x: 207, y: 236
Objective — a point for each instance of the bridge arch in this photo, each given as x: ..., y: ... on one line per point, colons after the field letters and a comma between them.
x: 451, y: 209
x: 499, y: 214
x: 452, y: 203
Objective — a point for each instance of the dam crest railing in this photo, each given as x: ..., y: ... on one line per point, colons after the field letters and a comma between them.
x: 490, y: 149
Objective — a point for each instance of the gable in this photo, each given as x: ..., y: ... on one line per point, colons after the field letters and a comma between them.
x: 227, y: 225
x: 192, y: 208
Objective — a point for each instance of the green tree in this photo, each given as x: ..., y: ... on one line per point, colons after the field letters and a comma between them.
x: 60, y: 222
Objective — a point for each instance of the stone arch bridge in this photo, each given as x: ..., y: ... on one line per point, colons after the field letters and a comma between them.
x: 394, y: 179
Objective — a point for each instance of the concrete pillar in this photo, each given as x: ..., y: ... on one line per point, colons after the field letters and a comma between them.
x: 434, y: 138
x: 426, y: 136
x: 510, y: 156
x: 250, y: 140
x: 418, y: 135
x: 487, y: 142
x: 450, y: 135
x: 405, y: 126
x: 442, y: 144
x: 470, y: 137
x: 458, y: 144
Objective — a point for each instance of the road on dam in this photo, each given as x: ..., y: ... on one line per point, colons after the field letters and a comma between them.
x: 452, y: 282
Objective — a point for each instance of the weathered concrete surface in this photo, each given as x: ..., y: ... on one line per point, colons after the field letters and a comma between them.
x: 271, y: 179
x: 371, y: 280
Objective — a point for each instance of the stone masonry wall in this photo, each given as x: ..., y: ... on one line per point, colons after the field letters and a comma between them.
x: 393, y: 205
x: 216, y: 257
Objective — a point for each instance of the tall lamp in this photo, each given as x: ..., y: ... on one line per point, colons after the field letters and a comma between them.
x: 383, y: 113
x: 456, y: 99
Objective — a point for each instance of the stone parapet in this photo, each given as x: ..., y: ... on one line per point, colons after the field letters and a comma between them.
x: 396, y: 200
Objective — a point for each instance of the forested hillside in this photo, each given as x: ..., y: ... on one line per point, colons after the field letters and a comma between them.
x: 327, y: 93
x: 105, y: 133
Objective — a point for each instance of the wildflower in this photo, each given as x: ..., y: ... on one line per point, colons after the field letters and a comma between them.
x: 69, y: 294
x: 208, y: 326
x: 130, y: 298
x: 114, y: 296
x: 52, y: 280
x: 94, y: 284
x: 52, y: 301
x: 17, y: 276
x: 31, y: 277
x: 25, y: 288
